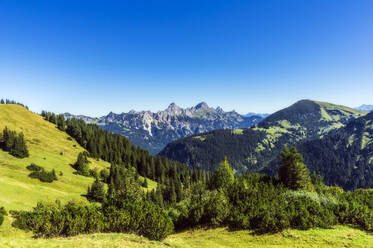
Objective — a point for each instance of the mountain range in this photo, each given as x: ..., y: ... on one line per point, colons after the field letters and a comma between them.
x: 153, y: 131
x: 311, y: 125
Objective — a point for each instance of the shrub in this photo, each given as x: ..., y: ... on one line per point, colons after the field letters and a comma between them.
x: 2, y: 213
x: 96, y: 192
x: 34, y: 167
x: 52, y: 220
x: 39, y: 173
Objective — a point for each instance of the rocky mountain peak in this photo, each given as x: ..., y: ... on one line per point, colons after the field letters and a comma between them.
x: 174, y: 109
x: 202, y: 106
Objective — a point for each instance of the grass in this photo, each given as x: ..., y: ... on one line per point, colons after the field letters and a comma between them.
x: 46, y: 143
x: 339, y: 236
x: 237, y: 131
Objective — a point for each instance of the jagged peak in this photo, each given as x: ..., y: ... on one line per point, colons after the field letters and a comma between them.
x: 202, y: 105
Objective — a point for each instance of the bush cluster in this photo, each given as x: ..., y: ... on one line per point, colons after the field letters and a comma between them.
x: 38, y: 172
x: 52, y: 220
x: 14, y: 143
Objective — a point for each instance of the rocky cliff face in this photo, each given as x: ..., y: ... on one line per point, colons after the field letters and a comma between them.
x: 153, y: 131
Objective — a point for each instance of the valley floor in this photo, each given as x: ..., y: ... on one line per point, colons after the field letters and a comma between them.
x: 339, y: 236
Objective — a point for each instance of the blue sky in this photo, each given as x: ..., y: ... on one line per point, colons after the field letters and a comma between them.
x: 92, y: 57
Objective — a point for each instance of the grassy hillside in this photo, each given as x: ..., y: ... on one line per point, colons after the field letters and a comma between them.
x: 49, y: 148
x: 339, y: 236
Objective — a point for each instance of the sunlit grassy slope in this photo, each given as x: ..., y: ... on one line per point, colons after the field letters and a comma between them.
x: 49, y: 148
x: 339, y: 236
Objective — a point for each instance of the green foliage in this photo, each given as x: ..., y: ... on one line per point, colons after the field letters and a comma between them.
x: 38, y: 172
x: 292, y: 172
x: 96, y: 192
x: 82, y: 165
x: 52, y: 220
x: 14, y: 143
x: 61, y: 122
x: 104, y: 174
x: 343, y: 157
x: 2, y: 213
x: 145, y: 183
x: 34, y: 167
x: 222, y: 177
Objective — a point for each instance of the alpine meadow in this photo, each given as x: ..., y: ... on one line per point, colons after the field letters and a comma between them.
x: 186, y: 124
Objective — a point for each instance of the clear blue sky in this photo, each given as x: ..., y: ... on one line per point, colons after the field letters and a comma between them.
x: 92, y: 57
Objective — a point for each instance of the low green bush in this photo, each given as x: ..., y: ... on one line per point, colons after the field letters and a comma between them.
x: 38, y: 172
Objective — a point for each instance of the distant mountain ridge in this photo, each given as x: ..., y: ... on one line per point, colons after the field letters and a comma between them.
x: 153, y: 131
x: 365, y: 107
x: 253, y: 149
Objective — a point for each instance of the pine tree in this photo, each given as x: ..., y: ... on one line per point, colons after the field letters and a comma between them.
x: 82, y: 164
x: 2, y: 101
x: 96, y: 192
x: 293, y: 173
x: 61, y: 122
x: 145, y: 183
x: 222, y: 177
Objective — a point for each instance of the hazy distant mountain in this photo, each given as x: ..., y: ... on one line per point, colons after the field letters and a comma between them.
x: 365, y: 107
x: 153, y: 131
x: 256, y: 114
x: 252, y: 149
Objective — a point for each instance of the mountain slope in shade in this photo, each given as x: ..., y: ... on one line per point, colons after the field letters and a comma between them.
x: 365, y: 107
x: 153, y: 131
x: 345, y: 156
x: 252, y: 149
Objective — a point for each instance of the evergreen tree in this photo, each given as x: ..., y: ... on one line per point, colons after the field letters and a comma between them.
x: 145, y: 183
x: 104, y: 174
x: 61, y: 122
x: 2, y: 101
x: 82, y: 165
x: 96, y: 192
x: 293, y: 173
x: 222, y: 176
x: 14, y: 144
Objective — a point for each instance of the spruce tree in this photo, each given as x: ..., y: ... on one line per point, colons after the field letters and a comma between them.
x: 293, y: 173
x: 222, y: 177
x: 145, y: 183
x: 96, y: 192
x: 82, y: 164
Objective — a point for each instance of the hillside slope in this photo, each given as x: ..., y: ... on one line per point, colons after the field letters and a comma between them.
x: 251, y: 150
x: 49, y: 148
x: 344, y: 157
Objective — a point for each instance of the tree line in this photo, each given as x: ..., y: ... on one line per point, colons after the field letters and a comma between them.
x: 7, y: 101
x: 172, y: 177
